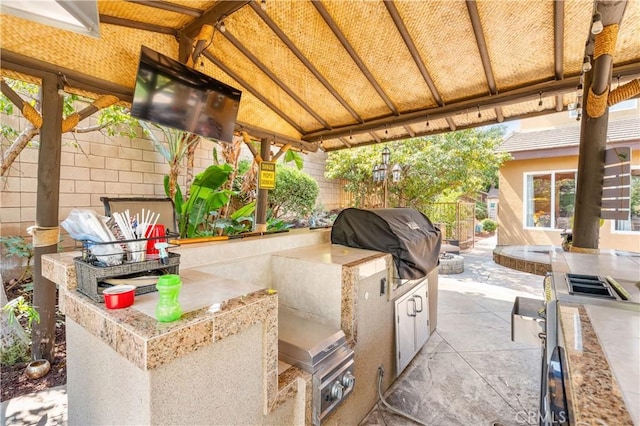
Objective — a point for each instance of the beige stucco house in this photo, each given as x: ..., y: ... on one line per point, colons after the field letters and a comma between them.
x: 537, y: 186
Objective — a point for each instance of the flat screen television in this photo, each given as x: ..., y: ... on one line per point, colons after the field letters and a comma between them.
x: 172, y: 94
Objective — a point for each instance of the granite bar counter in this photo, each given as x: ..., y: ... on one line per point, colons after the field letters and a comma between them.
x: 125, y: 367
x: 218, y: 364
x: 601, y: 339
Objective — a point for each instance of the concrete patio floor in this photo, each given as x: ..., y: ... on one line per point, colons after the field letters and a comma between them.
x: 468, y: 373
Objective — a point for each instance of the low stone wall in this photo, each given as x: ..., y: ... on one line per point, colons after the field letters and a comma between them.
x: 524, y: 258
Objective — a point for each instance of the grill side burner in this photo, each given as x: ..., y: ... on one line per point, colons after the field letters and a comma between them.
x: 322, y: 351
x: 589, y: 285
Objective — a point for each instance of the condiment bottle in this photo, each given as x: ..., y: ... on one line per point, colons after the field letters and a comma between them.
x: 168, y: 308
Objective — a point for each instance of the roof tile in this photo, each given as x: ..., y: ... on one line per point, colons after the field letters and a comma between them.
x: 560, y: 137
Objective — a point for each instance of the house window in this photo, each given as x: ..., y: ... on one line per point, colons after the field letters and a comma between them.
x: 632, y: 225
x: 550, y: 199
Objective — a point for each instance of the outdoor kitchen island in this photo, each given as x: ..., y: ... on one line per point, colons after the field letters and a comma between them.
x: 219, y: 362
x: 600, y: 335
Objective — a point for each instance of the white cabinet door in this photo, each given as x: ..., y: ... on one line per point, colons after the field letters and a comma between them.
x: 405, y: 333
x: 412, y: 325
x: 422, y: 316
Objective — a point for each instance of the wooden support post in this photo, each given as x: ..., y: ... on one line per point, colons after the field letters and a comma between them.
x: 45, y: 233
x: 593, y: 130
x: 261, y: 203
x: 593, y: 140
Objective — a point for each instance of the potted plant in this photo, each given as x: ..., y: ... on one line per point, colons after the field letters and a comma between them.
x: 567, y: 239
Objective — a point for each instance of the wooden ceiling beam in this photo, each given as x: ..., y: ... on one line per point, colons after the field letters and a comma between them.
x: 344, y: 142
x: 219, y: 11
x: 171, y: 7
x: 558, y: 39
x: 408, y: 41
x: 121, y: 22
x: 39, y: 69
x: 451, y: 123
x: 499, y: 114
x: 292, y: 47
x: 514, y: 96
x: 410, y: 131
x: 356, y: 58
x: 259, y: 133
x: 447, y: 129
x: 559, y: 102
x: 253, y: 58
x: 472, y: 9
x: 255, y: 92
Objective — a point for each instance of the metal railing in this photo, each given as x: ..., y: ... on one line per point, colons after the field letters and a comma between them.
x: 458, y: 220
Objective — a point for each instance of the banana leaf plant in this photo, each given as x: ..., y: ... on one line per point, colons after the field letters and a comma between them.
x: 239, y: 221
x: 205, y: 199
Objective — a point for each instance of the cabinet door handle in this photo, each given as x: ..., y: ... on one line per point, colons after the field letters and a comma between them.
x: 411, y: 314
x: 421, y: 305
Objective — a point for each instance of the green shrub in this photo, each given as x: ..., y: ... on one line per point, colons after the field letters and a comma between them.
x: 489, y: 225
x: 295, y: 193
x: 481, y: 210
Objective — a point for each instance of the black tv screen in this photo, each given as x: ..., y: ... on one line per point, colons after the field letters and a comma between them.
x: 172, y: 94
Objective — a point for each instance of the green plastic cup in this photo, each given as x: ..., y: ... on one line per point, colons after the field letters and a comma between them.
x: 168, y: 308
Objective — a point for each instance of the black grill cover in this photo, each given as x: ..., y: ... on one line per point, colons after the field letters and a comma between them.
x: 405, y: 233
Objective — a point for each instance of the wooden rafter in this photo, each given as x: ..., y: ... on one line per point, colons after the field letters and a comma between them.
x: 510, y: 97
x: 345, y: 143
x: 171, y: 7
x: 558, y: 39
x: 219, y: 11
x: 114, y: 20
x: 402, y: 29
x: 472, y: 9
x: 347, y: 46
x: 253, y: 58
x: 307, y: 63
x: 74, y: 79
x: 253, y: 91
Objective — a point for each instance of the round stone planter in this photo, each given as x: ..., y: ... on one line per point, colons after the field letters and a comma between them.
x: 451, y: 264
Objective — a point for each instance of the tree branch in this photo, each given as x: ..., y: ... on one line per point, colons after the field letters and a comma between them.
x: 17, y: 146
x: 88, y: 129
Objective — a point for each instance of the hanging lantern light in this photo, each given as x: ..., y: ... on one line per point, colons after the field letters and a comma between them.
x: 383, y: 172
x: 396, y: 173
x: 386, y: 155
x: 376, y: 173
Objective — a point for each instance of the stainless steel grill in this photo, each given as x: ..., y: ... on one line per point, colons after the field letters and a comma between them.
x: 322, y: 351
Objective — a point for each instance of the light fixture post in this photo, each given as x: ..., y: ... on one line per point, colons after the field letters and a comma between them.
x: 381, y: 173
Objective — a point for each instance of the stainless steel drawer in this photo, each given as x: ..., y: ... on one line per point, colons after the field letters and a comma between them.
x: 527, y: 321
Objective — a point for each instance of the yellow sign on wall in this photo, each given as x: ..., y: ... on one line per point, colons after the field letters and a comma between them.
x: 267, y: 176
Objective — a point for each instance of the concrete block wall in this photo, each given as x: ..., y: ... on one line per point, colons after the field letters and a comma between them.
x: 95, y: 165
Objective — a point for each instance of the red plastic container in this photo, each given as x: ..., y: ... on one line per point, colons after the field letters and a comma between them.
x: 153, y: 234
x: 120, y: 296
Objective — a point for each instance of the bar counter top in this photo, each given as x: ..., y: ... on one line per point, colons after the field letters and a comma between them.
x: 601, y: 340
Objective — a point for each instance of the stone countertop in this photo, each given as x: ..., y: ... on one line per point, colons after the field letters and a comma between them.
x: 602, y: 341
x: 138, y: 336
x: 334, y: 254
x: 148, y: 344
x: 603, y: 363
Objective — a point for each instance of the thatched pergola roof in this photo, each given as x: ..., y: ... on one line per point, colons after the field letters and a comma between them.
x: 339, y: 74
